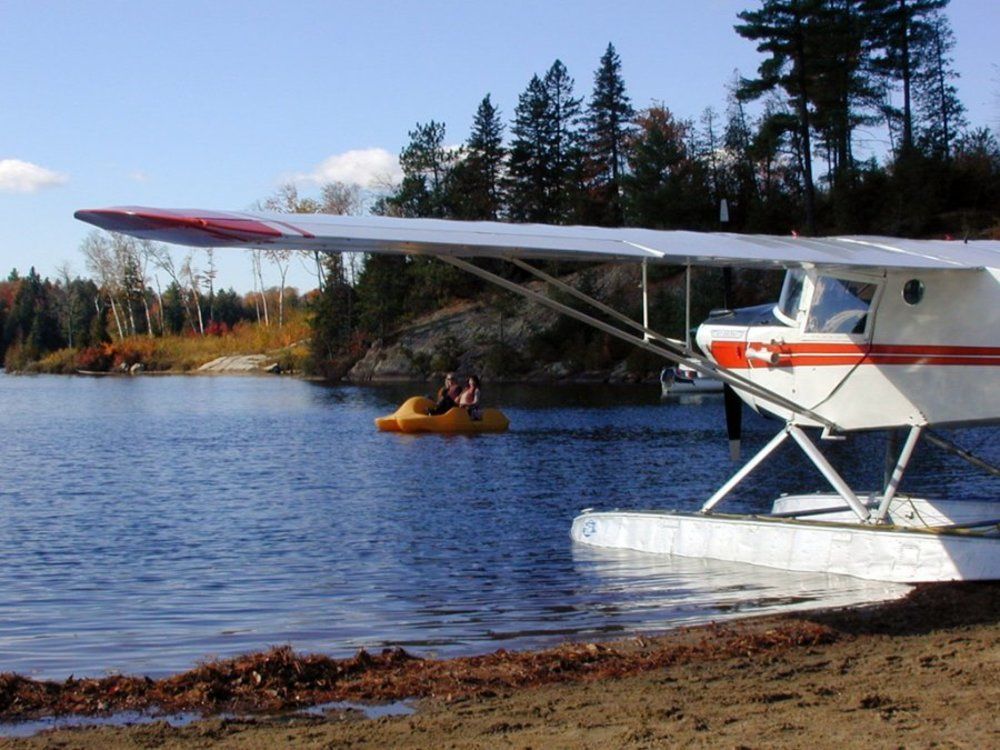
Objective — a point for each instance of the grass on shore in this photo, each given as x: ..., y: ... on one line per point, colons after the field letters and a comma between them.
x: 186, y: 352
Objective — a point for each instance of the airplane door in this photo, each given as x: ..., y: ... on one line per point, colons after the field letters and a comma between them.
x: 766, y: 341
x: 835, y: 338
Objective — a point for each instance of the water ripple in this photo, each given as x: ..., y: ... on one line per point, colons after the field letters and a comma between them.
x: 151, y: 522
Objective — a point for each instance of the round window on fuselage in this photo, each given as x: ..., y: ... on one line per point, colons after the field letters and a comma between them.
x: 913, y: 291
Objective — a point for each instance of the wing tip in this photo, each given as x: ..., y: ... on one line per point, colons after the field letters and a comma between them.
x: 200, y: 228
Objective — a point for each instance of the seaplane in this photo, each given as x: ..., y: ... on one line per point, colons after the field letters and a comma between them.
x: 868, y: 334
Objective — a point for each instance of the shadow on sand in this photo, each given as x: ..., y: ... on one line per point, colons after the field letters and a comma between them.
x: 929, y: 607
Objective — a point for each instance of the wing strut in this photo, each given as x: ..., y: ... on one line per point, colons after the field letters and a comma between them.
x: 645, y: 295
x: 670, y: 349
x: 647, y: 333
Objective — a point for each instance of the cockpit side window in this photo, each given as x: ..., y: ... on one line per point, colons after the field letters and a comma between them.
x: 839, y: 305
x: 787, y: 309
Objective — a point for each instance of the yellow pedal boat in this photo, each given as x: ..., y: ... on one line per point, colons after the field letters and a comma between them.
x: 412, y: 416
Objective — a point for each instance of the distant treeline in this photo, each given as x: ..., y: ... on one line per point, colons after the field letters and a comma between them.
x: 39, y: 316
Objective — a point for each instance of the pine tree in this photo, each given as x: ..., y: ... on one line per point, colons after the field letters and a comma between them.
x: 843, y: 93
x: 784, y: 29
x: 902, y: 31
x: 333, y: 322
x: 75, y: 302
x: 175, y: 312
x: 545, y: 176
x: 475, y: 190
x: 529, y: 168
x: 98, y: 331
x: 426, y: 164
x: 608, y: 128
x: 382, y: 289
x: 486, y: 155
x: 941, y: 113
x: 707, y: 147
x: 975, y: 179
x: 568, y: 149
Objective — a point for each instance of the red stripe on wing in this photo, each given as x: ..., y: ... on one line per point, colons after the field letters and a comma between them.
x: 199, y: 228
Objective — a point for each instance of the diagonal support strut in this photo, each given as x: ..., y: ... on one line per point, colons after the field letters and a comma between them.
x: 660, y: 345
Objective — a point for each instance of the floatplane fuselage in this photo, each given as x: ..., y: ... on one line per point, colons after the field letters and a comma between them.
x: 890, y: 349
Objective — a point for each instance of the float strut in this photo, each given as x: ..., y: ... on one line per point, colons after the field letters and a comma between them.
x: 820, y: 462
x: 897, y: 475
x: 740, y: 475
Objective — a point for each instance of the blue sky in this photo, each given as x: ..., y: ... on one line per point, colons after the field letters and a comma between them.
x: 214, y: 104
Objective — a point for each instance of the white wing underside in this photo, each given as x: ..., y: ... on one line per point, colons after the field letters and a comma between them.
x: 337, y: 234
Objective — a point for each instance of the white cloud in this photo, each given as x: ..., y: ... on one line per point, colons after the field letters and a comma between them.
x: 138, y: 176
x: 366, y: 167
x: 18, y: 176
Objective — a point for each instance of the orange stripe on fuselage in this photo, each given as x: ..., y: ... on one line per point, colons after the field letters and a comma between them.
x: 733, y: 354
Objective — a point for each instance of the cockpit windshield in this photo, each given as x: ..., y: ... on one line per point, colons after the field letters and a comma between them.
x: 787, y: 309
x: 839, y: 305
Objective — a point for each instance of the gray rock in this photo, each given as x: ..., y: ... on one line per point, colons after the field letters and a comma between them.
x: 462, y: 336
x: 240, y: 363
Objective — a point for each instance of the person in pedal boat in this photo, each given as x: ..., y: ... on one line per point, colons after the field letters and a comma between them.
x: 447, y: 396
x: 469, y: 398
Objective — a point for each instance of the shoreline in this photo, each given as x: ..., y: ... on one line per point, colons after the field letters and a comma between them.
x: 940, y: 638
x: 578, y: 380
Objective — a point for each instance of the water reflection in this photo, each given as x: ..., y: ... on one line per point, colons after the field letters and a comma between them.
x: 700, y: 590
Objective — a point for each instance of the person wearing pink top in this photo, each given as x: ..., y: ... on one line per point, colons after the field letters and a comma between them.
x: 469, y: 398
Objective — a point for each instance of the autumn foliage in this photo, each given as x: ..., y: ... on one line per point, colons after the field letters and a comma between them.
x: 188, y: 351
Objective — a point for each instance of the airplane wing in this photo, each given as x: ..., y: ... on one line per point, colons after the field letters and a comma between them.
x: 336, y: 234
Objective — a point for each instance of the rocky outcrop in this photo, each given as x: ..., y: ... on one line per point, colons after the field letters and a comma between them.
x: 483, y: 335
x: 460, y: 337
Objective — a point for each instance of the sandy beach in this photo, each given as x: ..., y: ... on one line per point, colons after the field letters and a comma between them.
x: 920, y: 672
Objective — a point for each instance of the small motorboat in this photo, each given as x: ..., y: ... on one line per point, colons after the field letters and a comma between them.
x: 412, y: 416
x: 675, y: 381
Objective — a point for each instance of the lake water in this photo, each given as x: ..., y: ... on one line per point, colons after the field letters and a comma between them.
x: 147, y: 523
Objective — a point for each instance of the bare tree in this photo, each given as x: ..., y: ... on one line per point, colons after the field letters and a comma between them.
x: 257, y: 259
x: 143, y: 257
x: 287, y: 201
x: 281, y: 258
x: 100, y: 261
x: 210, y: 274
x: 125, y: 267
x: 193, y: 278
x: 336, y: 198
x: 159, y: 306
x: 341, y: 199
x: 162, y: 258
